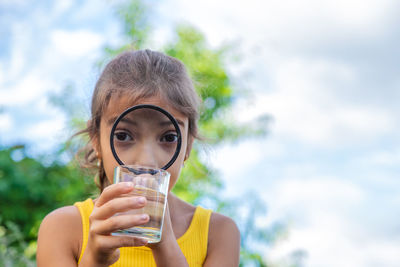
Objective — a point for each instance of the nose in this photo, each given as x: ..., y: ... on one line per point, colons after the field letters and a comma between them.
x: 146, y: 155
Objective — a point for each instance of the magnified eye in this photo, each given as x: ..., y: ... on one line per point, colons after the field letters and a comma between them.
x: 169, y: 138
x: 122, y: 136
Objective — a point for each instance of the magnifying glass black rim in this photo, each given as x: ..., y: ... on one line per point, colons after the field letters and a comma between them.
x: 166, y: 113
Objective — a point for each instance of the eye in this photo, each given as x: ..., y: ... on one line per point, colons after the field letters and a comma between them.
x: 169, y: 138
x: 122, y: 136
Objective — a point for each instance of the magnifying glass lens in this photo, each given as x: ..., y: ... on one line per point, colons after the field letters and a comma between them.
x: 145, y: 137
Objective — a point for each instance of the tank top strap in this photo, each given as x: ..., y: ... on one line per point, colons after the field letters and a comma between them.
x: 194, y: 242
x: 85, y: 209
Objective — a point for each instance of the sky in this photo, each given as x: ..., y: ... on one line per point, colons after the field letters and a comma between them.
x: 326, y: 72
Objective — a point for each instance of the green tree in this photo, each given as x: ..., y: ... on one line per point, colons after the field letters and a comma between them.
x: 30, y: 188
x: 14, y: 250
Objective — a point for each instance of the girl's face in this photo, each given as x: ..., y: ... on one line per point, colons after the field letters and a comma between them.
x: 114, y: 109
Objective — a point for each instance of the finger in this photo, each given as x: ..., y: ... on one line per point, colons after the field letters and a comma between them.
x: 113, y: 191
x: 118, y: 222
x: 107, y: 243
x: 120, y: 204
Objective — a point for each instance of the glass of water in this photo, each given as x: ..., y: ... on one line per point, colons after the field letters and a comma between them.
x: 152, y: 184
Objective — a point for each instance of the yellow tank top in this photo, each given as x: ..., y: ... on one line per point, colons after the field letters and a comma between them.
x: 193, y: 242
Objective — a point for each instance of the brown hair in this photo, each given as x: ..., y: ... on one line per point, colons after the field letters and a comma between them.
x: 139, y: 75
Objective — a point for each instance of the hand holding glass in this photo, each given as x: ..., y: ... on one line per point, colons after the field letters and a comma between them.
x: 153, y: 185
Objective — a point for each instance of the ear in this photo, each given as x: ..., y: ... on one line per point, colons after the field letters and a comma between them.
x: 94, y: 140
x: 189, y: 147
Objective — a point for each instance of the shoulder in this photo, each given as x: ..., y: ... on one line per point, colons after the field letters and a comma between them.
x: 68, y: 215
x: 223, y: 242
x: 220, y: 225
x: 60, y: 235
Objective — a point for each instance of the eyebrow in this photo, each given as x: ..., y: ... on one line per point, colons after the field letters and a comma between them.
x: 111, y: 121
x: 168, y: 122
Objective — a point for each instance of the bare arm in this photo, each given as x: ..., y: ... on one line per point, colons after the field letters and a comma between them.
x: 59, y: 233
x: 224, y: 242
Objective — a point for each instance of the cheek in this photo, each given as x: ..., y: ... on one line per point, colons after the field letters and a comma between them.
x: 176, y: 168
x: 109, y: 163
x: 109, y: 169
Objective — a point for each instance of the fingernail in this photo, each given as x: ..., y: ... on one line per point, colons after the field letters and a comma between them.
x: 144, y: 217
x: 129, y: 184
x: 143, y: 241
x: 141, y: 200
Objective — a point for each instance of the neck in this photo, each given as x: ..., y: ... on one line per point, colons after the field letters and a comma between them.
x: 172, y: 204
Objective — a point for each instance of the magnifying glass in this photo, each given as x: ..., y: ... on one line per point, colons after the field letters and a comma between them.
x: 145, y: 136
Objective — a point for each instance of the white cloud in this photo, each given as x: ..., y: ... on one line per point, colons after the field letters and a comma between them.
x: 46, y: 131
x: 18, y: 50
x: 77, y: 43
x: 232, y: 159
x: 61, y: 6
x: 314, y: 193
x: 12, y: 2
x: 288, y: 25
x: 325, y: 226
x: 330, y: 242
x: 44, y: 57
x: 6, y: 121
x: 306, y: 106
x: 1, y: 73
x: 382, y: 158
x: 31, y: 87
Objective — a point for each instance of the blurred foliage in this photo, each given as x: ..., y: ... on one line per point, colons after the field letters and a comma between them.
x: 29, y: 188
x: 14, y: 250
x: 207, y: 67
x: 74, y: 109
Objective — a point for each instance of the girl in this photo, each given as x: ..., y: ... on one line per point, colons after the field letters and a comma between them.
x: 80, y: 235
